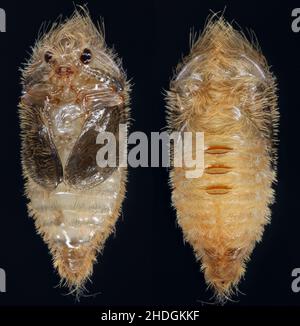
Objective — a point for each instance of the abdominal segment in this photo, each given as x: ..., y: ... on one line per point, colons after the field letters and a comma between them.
x: 224, y: 89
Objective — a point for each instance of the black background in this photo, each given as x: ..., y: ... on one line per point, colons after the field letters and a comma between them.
x: 146, y: 262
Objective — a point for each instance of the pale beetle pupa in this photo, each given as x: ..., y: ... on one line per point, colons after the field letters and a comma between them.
x: 225, y: 89
x: 73, y: 87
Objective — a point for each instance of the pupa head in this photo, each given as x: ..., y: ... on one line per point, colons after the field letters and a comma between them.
x: 70, y: 50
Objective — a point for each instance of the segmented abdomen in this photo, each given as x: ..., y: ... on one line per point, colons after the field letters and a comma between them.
x: 225, y: 90
x: 75, y: 224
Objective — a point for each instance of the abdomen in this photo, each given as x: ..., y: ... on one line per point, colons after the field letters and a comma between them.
x: 76, y: 223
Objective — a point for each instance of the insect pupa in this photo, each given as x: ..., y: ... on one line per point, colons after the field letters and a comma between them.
x: 73, y: 89
x: 225, y: 89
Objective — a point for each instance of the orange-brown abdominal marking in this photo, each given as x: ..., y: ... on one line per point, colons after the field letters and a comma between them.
x: 74, y: 88
x: 224, y: 88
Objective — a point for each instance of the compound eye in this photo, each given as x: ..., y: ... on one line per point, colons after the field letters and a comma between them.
x: 86, y: 56
x: 48, y: 56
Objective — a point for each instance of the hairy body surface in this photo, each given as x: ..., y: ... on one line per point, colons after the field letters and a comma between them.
x: 224, y: 88
x: 73, y: 89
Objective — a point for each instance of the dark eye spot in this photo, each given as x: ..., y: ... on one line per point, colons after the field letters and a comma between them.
x: 86, y: 56
x: 48, y: 56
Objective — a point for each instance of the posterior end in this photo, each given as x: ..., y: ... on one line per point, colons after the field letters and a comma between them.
x: 75, y: 266
x: 224, y: 282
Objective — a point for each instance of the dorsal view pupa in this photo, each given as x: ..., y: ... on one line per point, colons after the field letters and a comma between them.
x: 225, y: 89
x: 73, y: 89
